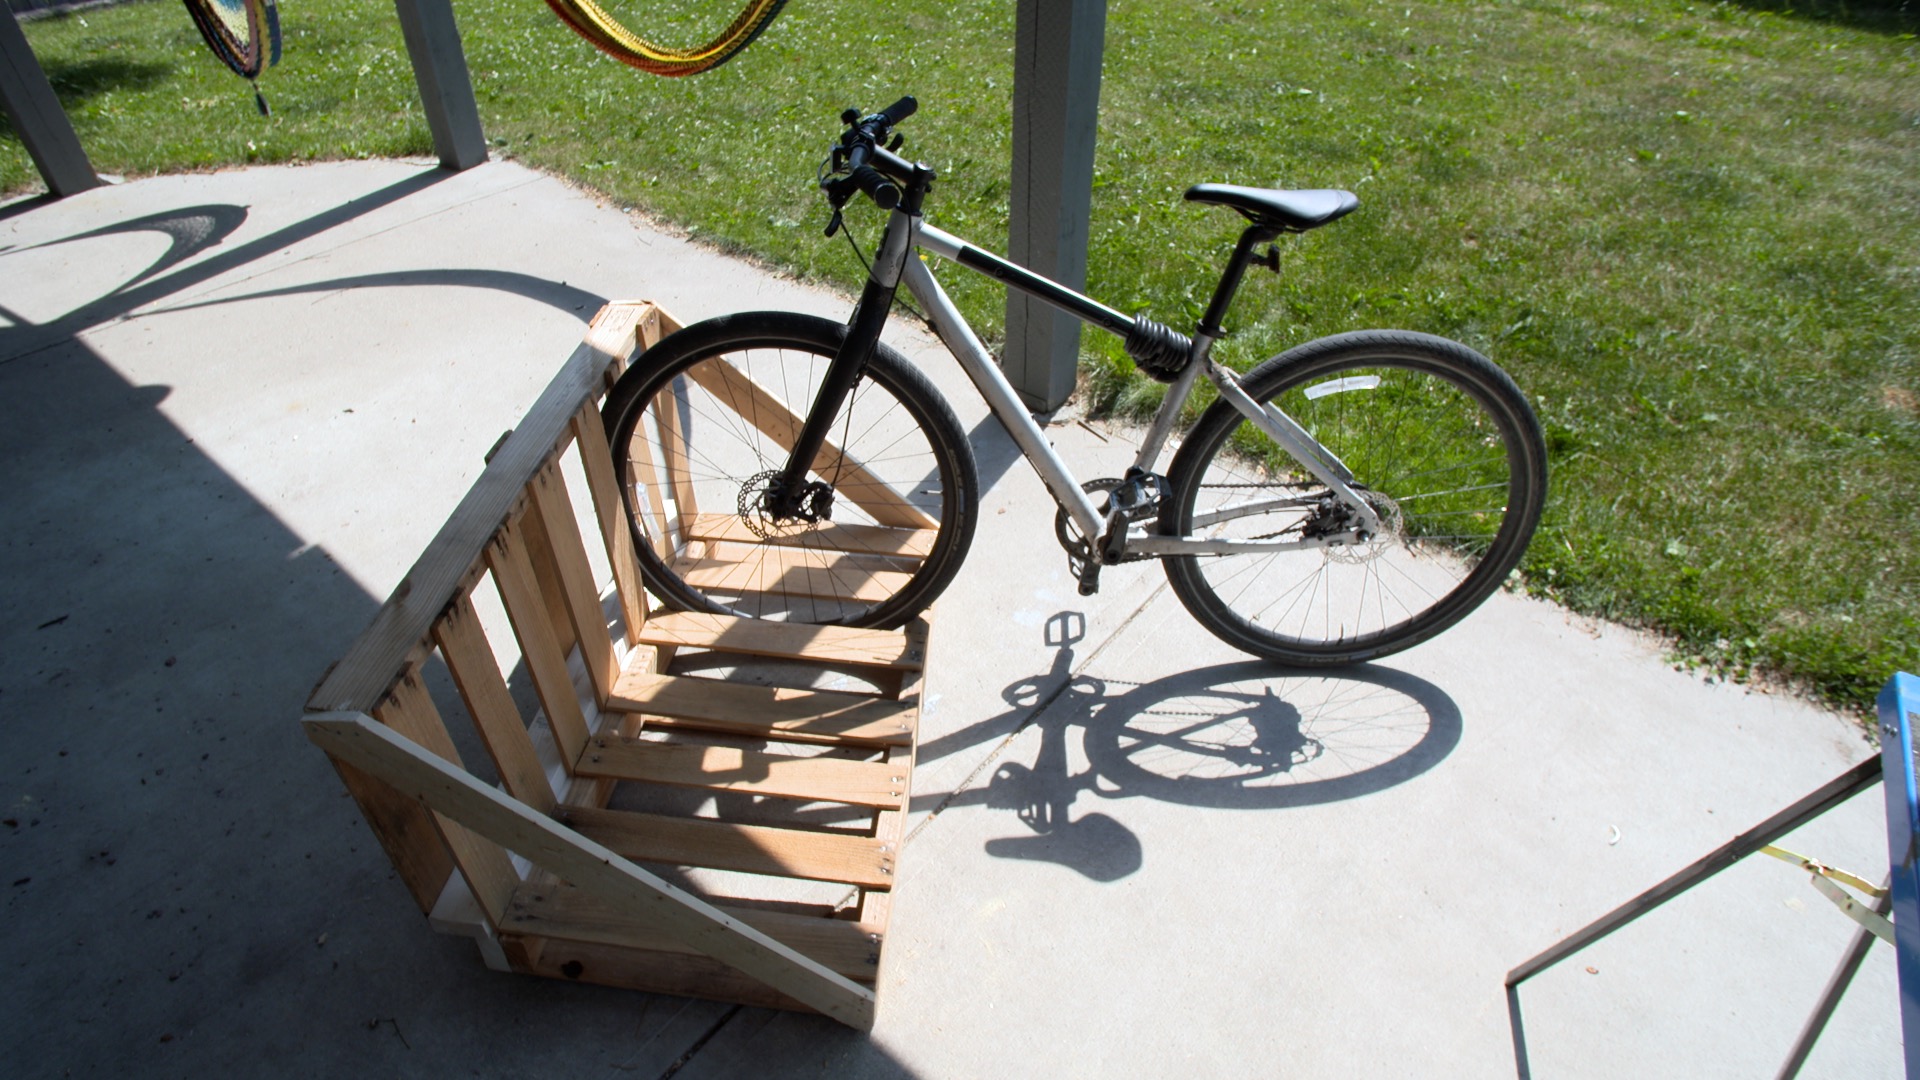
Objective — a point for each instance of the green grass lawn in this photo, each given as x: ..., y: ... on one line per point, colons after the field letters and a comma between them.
x: 1691, y: 231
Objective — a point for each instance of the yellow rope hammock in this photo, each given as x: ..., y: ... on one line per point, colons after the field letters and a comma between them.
x: 607, y: 35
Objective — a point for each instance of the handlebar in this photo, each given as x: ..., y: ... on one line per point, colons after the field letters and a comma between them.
x: 864, y: 138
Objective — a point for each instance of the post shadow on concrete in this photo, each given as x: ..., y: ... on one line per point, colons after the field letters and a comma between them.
x: 189, y: 890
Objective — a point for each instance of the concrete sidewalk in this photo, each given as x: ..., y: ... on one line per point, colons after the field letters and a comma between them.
x: 234, y: 408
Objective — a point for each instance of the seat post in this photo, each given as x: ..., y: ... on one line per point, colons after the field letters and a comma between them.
x: 1230, y: 278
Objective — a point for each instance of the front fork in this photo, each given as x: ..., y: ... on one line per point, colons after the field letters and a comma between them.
x: 790, y: 495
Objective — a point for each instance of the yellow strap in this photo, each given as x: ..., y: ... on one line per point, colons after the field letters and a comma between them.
x: 1824, y: 876
x: 610, y: 37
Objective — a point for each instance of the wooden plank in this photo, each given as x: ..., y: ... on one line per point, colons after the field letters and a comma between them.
x: 588, y: 865
x: 485, y: 866
x: 555, y: 509
x: 673, y: 457
x: 407, y: 833
x: 728, y: 768
x: 596, y: 460
x: 723, y: 845
x: 402, y: 623
x: 657, y: 972
x: 519, y: 591
x: 476, y: 671
x: 764, y: 410
x: 793, y: 641
x: 546, y: 575
x: 560, y: 911
x: 776, y: 571
x: 890, y: 824
x: 746, y: 709
x: 829, y: 536
x: 636, y: 465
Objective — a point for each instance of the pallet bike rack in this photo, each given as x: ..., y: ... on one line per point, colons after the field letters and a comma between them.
x: 685, y: 803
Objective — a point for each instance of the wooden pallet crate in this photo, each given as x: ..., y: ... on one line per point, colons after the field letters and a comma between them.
x: 684, y: 803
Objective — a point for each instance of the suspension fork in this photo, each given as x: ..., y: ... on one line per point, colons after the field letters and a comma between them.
x: 789, y: 494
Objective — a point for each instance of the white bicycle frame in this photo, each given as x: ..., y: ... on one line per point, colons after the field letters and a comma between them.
x: 895, y: 264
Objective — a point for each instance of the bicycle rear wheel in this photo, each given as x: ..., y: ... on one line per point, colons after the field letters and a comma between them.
x: 1441, y: 443
x: 702, y: 423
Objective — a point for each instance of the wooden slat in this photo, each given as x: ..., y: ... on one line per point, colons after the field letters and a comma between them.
x: 526, y: 609
x: 407, y: 833
x: 761, y: 408
x: 546, y: 575
x: 656, y: 972
x: 775, y: 571
x: 828, y: 536
x: 727, y: 768
x: 588, y: 865
x: 488, y: 871
x: 555, y: 509
x: 723, y: 845
x: 476, y: 671
x: 745, y: 709
x: 890, y: 824
x: 596, y: 460
x: 793, y: 641
x: 635, y: 464
x: 673, y: 455
x: 560, y: 911
x: 401, y: 626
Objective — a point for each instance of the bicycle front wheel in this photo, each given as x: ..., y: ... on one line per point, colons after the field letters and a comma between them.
x: 702, y: 424
x: 1442, y: 445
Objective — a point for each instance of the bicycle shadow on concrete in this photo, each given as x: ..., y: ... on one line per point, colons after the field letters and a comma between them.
x: 1240, y: 736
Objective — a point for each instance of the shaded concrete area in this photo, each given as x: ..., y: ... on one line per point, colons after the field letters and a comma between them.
x: 233, y: 409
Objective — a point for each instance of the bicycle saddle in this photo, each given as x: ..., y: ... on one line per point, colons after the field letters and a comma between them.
x: 1293, y: 211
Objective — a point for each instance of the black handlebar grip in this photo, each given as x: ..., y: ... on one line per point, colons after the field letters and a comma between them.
x: 900, y: 110
x: 884, y: 193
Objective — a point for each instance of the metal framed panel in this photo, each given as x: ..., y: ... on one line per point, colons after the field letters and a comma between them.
x: 1899, y: 710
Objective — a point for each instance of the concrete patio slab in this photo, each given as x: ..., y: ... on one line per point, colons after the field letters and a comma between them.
x: 235, y: 406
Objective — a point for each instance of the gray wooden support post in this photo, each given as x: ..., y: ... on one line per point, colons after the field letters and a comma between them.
x: 36, y: 115
x: 1056, y: 105
x: 446, y: 88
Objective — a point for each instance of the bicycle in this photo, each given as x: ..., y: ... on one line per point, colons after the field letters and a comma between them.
x: 1348, y: 498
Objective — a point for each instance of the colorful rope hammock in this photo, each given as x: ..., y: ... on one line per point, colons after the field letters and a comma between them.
x: 609, y: 36
x: 244, y: 34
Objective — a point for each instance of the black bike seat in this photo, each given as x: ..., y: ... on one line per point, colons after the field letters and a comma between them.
x: 1293, y: 211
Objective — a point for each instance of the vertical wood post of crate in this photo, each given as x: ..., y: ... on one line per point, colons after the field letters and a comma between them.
x: 685, y: 803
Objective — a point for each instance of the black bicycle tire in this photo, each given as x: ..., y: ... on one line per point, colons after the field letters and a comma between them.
x: 1467, y: 370
x: 929, y: 413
